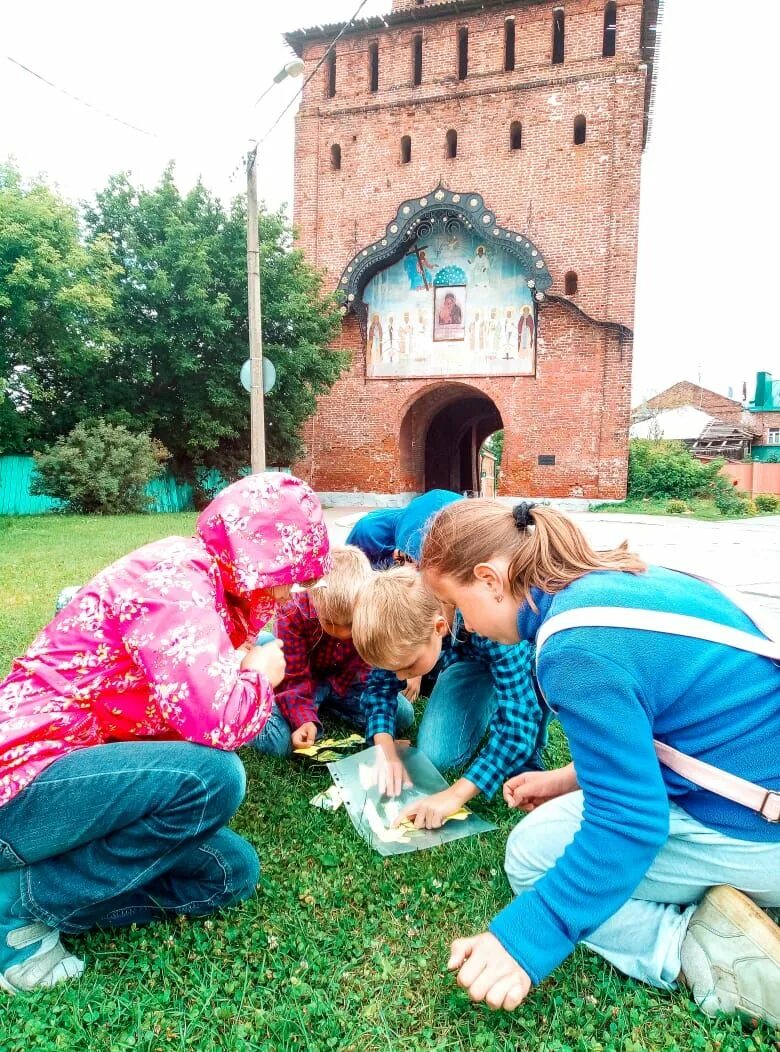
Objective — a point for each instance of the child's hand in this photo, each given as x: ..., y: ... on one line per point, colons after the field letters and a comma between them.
x: 488, y: 972
x: 533, y: 788
x: 430, y: 812
x: 391, y: 776
x: 305, y: 735
x: 268, y: 660
x: 412, y: 688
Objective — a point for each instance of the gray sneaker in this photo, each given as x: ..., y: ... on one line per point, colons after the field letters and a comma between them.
x: 48, y: 965
x: 730, y: 957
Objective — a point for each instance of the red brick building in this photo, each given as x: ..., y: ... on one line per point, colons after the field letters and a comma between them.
x: 467, y: 176
x: 687, y: 393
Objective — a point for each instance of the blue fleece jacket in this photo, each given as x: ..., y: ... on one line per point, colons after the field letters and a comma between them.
x: 374, y: 534
x: 614, y: 691
x: 413, y: 524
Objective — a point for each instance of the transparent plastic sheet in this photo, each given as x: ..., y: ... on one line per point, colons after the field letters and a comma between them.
x: 373, y: 815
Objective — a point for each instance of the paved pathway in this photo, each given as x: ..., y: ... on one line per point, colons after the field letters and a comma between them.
x: 744, y: 554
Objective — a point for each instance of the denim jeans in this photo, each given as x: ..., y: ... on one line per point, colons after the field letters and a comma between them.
x: 644, y: 937
x: 275, y: 738
x: 457, y: 716
x: 123, y: 833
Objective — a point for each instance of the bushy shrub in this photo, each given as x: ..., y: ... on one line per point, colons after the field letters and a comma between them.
x: 677, y: 507
x: 727, y: 498
x: 667, y: 469
x: 767, y: 502
x: 748, y: 507
x: 99, y: 468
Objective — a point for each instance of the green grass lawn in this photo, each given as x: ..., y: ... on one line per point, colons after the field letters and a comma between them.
x: 339, y: 949
x: 697, y: 509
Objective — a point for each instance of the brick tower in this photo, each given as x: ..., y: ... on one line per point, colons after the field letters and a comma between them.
x: 467, y: 177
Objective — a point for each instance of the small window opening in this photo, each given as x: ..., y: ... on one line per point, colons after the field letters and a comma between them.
x: 331, y: 65
x: 406, y: 149
x: 559, y: 35
x: 515, y: 136
x: 373, y: 66
x: 417, y: 59
x: 452, y: 143
x: 509, y: 45
x: 571, y: 283
x: 463, y: 53
x: 579, y: 130
x: 610, y: 30
x: 335, y: 157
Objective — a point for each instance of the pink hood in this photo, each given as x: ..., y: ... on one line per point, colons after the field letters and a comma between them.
x: 264, y: 531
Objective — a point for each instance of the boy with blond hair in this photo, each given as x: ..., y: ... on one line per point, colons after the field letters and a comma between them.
x: 323, y: 671
x: 482, y: 686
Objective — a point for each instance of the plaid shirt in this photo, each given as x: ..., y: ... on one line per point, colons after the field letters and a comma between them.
x: 514, y: 729
x: 312, y: 657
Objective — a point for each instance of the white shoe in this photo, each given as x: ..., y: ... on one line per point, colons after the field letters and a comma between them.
x: 730, y: 957
x: 48, y: 965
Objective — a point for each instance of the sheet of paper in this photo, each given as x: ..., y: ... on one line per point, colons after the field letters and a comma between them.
x: 373, y: 815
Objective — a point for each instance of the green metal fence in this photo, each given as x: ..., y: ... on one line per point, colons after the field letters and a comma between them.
x: 167, y: 493
x: 16, y: 473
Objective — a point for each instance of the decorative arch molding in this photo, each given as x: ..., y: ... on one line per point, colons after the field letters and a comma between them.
x: 419, y: 217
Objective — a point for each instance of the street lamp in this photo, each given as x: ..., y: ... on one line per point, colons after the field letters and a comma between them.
x: 257, y: 406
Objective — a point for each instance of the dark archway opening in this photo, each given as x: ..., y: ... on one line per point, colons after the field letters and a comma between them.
x: 453, y: 442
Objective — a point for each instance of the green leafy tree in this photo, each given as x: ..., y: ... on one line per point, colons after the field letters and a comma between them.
x: 180, y: 319
x: 667, y: 469
x: 100, y: 468
x: 495, y: 444
x: 55, y: 301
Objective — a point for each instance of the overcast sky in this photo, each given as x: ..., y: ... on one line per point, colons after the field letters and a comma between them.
x: 189, y: 74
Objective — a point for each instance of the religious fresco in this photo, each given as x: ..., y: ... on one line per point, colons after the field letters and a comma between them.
x: 452, y: 305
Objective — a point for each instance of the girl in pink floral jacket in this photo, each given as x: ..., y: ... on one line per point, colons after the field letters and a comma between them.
x: 117, y: 729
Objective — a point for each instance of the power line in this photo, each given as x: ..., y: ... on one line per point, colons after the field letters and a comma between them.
x: 302, y: 88
x: 82, y: 102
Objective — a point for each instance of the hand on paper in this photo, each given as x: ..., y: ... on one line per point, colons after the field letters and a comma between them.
x: 431, y: 812
x: 391, y: 775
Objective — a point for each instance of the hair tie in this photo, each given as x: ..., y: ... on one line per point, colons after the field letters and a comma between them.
x: 521, y: 513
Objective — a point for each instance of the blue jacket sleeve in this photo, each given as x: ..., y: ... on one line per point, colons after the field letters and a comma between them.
x: 626, y: 810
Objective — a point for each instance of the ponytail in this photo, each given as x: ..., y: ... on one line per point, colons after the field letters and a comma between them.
x: 545, y: 549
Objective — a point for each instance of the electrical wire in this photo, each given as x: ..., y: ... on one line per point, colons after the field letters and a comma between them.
x: 302, y: 88
x: 82, y: 102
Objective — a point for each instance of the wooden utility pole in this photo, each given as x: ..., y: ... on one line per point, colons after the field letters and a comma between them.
x: 256, y: 400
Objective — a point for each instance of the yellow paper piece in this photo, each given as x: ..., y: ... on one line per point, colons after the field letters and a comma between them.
x: 330, y: 800
x: 328, y: 745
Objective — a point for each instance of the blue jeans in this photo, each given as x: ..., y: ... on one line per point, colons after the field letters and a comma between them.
x: 275, y: 738
x: 644, y: 937
x: 458, y: 714
x: 125, y: 832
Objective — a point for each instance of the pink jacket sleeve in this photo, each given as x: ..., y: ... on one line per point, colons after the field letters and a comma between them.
x: 179, y: 639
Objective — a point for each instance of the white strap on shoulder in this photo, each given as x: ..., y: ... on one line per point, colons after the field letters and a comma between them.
x: 656, y: 621
x: 755, y: 797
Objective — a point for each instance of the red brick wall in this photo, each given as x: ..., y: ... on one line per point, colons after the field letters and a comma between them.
x: 685, y: 393
x: 762, y: 422
x: 578, y: 204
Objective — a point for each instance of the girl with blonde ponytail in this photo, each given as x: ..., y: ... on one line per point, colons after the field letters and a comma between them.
x: 666, y: 688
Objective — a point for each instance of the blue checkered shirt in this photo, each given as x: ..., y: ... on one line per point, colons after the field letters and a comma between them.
x: 514, y: 732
